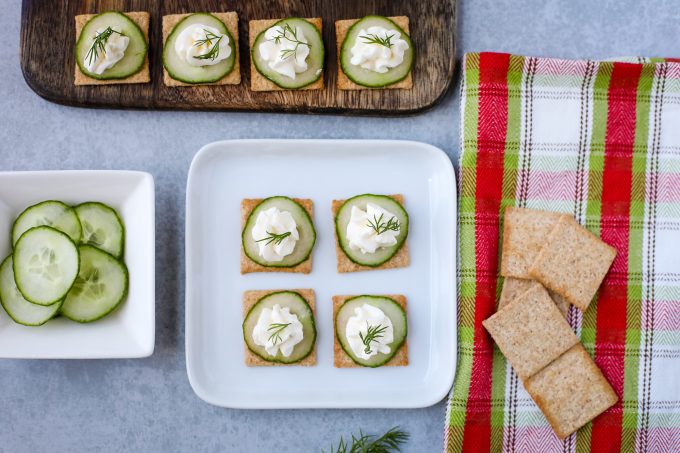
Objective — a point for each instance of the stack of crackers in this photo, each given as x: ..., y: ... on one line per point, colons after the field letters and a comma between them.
x: 549, y: 261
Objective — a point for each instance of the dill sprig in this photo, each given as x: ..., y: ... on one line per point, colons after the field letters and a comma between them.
x: 289, y: 34
x: 371, y: 38
x: 389, y: 442
x: 99, y: 44
x: 277, y: 239
x: 380, y: 226
x: 214, y: 51
x: 372, y: 334
x: 276, y: 329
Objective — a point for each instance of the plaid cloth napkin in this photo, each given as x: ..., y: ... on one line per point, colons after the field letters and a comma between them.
x: 599, y: 140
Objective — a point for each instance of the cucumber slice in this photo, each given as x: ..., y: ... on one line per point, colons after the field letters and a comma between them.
x: 50, y: 213
x: 178, y: 69
x: 381, y: 255
x: 305, y: 227
x: 18, y: 308
x: 135, y: 54
x: 45, y: 265
x: 299, y: 307
x: 101, y: 286
x: 391, y: 309
x: 102, y: 227
x: 368, y: 78
x: 314, y: 60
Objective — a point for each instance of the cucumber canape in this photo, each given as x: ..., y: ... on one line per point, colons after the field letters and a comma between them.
x: 45, y: 265
x: 265, y: 321
x: 254, y: 244
x: 376, y: 52
x: 16, y: 306
x: 199, y: 49
x: 50, y: 213
x: 375, y: 319
x: 110, y: 47
x: 102, y: 227
x: 289, y: 53
x: 101, y: 285
x: 386, y: 231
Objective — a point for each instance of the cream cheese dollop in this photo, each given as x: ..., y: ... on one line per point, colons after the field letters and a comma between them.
x: 114, y: 51
x: 376, y: 57
x: 369, y: 317
x: 276, y: 234
x: 284, y: 51
x: 361, y: 232
x: 199, y: 39
x: 277, y: 329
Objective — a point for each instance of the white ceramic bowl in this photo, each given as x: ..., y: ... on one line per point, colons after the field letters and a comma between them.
x: 127, y: 332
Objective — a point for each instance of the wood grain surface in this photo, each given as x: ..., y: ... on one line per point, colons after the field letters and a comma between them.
x: 48, y: 60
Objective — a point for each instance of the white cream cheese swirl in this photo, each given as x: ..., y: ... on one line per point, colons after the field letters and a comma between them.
x: 195, y: 45
x: 361, y: 229
x: 285, y: 50
x: 378, y: 49
x: 277, y: 330
x: 369, y: 317
x: 276, y: 234
x: 114, y: 51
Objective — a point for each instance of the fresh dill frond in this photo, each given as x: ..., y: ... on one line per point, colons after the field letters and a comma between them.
x: 99, y: 44
x: 214, y: 51
x: 373, y: 333
x: 390, y: 442
x: 277, y: 239
x: 289, y: 34
x: 380, y: 226
x: 375, y: 39
x: 276, y: 329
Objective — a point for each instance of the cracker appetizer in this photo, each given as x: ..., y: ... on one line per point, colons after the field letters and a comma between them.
x: 201, y: 49
x: 279, y: 327
x: 374, y: 52
x: 112, y: 48
x: 370, y: 232
x: 278, y: 235
x: 370, y: 331
x: 286, y: 54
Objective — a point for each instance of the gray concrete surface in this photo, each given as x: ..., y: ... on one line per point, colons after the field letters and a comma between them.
x: 147, y: 405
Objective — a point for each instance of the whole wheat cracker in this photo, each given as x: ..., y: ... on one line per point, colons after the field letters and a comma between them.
x: 530, y: 331
x: 250, y: 298
x: 524, y: 233
x: 400, y: 259
x: 571, y: 391
x: 344, y: 83
x: 258, y: 82
x: 513, y: 287
x: 573, y: 262
x: 249, y: 266
x: 141, y: 18
x: 340, y: 357
x: 230, y: 20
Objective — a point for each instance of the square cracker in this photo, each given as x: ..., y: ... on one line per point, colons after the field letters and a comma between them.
x: 344, y: 83
x: 524, y: 233
x: 249, y: 266
x: 258, y: 82
x: 340, y: 357
x: 514, y: 287
x: 141, y: 18
x: 400, y: 259
x: 250, y: 298
x: 230, y: 20
x: 571, y: 391
x: 530, y: 331
x: 573, y: 263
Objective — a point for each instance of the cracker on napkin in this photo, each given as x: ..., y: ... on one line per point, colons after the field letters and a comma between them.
x: 530, y: 331
x: 513, y: 287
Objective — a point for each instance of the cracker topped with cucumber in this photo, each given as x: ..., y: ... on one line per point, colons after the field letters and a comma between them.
x: 65, y: 261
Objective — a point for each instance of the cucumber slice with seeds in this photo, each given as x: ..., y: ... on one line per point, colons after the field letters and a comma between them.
x: 102, y: 227
x: 299, y: 307
x: 178, y: 69
x: 16, y: 306
x: 392, y: 310
x: 45, y: 265
x: 381, y: 255
x: 101, y: 286
x: 315, y: 59
x: 135, y: 54
x: 50, y: 213
x: 365, y: 77
x: 305, y: 227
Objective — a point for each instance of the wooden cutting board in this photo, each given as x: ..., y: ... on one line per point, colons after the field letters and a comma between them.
x: 48, y: 40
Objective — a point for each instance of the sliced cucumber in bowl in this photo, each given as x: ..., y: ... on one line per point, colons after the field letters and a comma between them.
x: 102, y: 227
x: 52, y: 213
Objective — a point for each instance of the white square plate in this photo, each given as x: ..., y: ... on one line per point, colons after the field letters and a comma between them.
x: 224, y: 173
x: 129, y: 330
